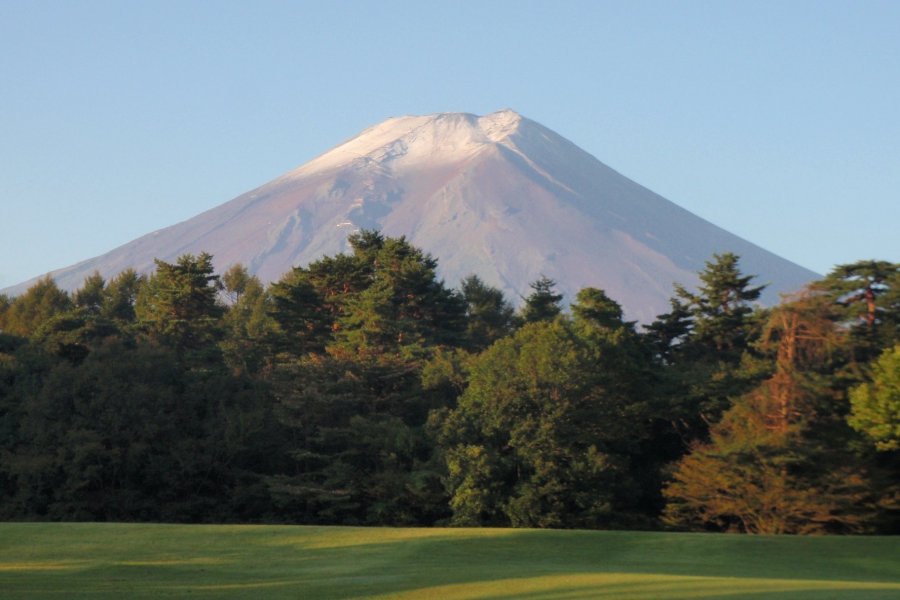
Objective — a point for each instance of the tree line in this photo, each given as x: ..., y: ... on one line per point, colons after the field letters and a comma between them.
x: 360, y: 389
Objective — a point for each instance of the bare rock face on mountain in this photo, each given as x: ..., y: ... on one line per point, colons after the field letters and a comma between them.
x: 499, y: 195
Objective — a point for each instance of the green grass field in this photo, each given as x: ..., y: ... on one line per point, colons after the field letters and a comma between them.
x: 39, y: 560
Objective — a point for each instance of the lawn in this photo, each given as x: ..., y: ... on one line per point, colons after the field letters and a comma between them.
x: 39, y: 560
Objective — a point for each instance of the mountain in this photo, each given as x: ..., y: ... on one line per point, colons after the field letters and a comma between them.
x: 497, y: 195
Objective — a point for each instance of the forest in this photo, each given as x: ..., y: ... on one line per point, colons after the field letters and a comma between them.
x: 362, y: 390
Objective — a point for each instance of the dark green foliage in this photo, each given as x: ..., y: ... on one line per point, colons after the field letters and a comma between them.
x: 357, y: 424
x: 91, y: 297
x: 706, y: 343
x: 403, y: 306
x: 178, y: 305
x: 350, y: 388
x: 384, y: 297
x: 594, y: 309
x: 128, y: 434
x: 867, y: 294
x: 73, y: 334
x: 360, y: 389
x: 247, y: 324
x: 668, y: 331
x: 544, y: 303
x: 4, y: 306
x: 303, y: 317
x: 722, y: 309
x: 489, y: 316
x: 120, y: 295
x: 545, y: 433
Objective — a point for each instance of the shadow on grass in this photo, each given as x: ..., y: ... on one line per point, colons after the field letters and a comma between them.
x: 149, y: 561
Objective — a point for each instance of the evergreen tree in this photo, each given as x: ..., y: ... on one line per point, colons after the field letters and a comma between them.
x: 37, y: 305
x: 5, y: 303
x: 666, y: 334
x: 355, y: 406
x: 129, y: 433
x: 722, y: 309
x: 304, y: 320
x: 90, y: 297
x: 489, y: 316
x: 544, y: 303
x: 594, y: 308
x: 248, y: 328
x: 178, y: 305
x: 868, y: 296
x: 404, y: 306
x: 120, y: 296
x: 357, y: 422
x: 778, y: 462
x: 707, y: 344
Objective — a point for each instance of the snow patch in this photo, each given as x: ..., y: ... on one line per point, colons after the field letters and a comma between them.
x: 500, y: 125
x: 413, y: 142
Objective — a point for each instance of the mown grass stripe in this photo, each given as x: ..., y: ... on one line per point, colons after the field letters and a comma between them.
x: 39, y: 560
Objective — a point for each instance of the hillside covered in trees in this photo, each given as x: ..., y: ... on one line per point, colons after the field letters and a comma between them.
x: 362, y: 390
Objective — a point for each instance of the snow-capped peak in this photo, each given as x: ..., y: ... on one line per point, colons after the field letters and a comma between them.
x: 500, y: 125
x: 419, y: 138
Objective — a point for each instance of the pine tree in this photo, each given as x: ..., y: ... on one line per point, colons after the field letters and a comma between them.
x: 248, y: 328
x: 544, y: 303
x: 706, y: 341
x: 778, y: 462
x: 488, y: 314
x: 355, y: 406
x: 404, y: 306
x: 867, y: 294
x: 41, y: 302
x: 90, y: 297
x: 120, y: 296
x: 178, y: 305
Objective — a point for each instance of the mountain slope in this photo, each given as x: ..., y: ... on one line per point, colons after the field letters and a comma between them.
x: 497, y: 195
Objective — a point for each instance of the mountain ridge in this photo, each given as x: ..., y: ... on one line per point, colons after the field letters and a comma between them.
x: 498, y: 195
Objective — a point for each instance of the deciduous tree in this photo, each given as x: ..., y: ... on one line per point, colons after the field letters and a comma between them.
x: 876, y: 404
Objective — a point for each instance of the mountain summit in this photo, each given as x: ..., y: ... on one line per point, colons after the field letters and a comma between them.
x: 497, y: 195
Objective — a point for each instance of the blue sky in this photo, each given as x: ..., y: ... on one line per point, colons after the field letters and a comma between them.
x: 779, y: 121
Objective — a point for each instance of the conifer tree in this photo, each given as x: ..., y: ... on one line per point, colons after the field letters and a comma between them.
x: 41, y: 302
x: 90, y: 297
x: 120, y: 296
x: 178, y: 305
x: 248, y: 328
x: 355, y: 406
x: 867, y: 294
x: 777, y: 462
x: 488, y: 314
x: 706, y: 342
x: 544, y: 303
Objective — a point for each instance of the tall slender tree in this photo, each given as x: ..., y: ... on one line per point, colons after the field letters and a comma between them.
x: 707, y: 344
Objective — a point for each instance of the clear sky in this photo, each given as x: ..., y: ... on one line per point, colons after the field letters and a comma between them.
x: 779, y: 121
